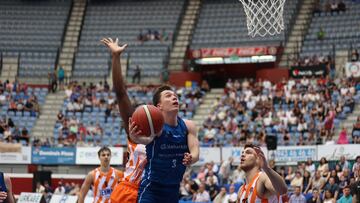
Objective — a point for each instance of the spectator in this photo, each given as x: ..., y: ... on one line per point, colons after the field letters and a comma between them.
x: 323, y: 165
x: 39, y: 188
x: 354, y: 55
x: 343, y: 163
x: 225, y: 170
x: 306, y: 180
x: 315, y: 197
x: 297, y: 180
x: 356, y: 167
x: 355, y: 188
x: 343, y: 137
x: 310, y: 166
x: 297, y: 197
x: 328, y: 197
x: 347, y: 197
x: 137, y: 75
x: 321, y: 34
x: 212, y: 188
x: 61, y: 77
x: 220, y: 198
x: 332, y: 187
x: 60, y: 190
x: 232, y: 196
x: 202, y: 195
x: 341, y: 6
x: 317, y: 182
x: 334, y: 7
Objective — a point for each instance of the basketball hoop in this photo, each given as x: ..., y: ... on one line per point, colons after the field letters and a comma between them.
x: 264, y: 17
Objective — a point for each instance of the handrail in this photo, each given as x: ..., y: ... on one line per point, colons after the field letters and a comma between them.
x: 1, y: 60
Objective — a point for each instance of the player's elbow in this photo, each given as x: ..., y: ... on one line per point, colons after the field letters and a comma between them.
x: 283, y: 189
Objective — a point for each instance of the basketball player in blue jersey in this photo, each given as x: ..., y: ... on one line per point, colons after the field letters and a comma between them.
x: 6, y: 195
x: 169, y: 153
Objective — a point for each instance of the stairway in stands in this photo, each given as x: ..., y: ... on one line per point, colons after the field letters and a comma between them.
x: 44, y: 127
x: 205, y: 108
x: 183, y: 38
x: 295, y: 40
x: 72, y: 36
x: 9, y: 69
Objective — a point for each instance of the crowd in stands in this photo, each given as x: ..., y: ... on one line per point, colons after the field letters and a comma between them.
x: 82, y: 100
x: 153, y: 35
x: 308, y: 182
x: 330, y: 6
x: 297, y: 112
x: 16, y: 101
x: 314, y: 60
x: 66, y: 188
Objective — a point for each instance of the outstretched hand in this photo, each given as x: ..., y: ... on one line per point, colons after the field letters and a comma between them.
x: 113, y: 45
x: 3, y: 196
x: 260, y: 154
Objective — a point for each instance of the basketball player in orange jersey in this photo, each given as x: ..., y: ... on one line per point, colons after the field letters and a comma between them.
x: 263, y: 184
x: 127, y: 190
x: 103, y: 179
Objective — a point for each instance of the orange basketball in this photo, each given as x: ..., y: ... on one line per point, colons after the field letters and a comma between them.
x: 149, y: 119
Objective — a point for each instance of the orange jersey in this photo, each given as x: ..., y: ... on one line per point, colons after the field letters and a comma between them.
x: 248, y: 193
x: 104, y: 184
x: 136, y: 163
x: 127, y: 190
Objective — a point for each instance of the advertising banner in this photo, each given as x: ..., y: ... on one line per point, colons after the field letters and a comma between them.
x: 53, y: 156
x: 63, y: 199
x: 235, y: 152
x: 352, y: 69
x: 22, y: 155
x: 307, y: 71
x: 208, y: 154
x: 334, y: 152
x: 233, y: 51
x: 293, y: 153
x: 28, y: 197
x: 89, y: 156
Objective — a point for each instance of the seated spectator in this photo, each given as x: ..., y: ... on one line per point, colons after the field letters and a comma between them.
x: 334, y: 7
x: 341, y: 6
x: 315, y: 197
x: 354, y: 55
x: 297, y: 197
x: 323, y: 165
x: 317, y: 182
x: 347, y: 197
x: 60, y: 189
x: 231, y: 197
x: 356, y: 167
x: 201, y: 195
x: 220, y: 198
x: 329, y: 197
x: 332, y: 187
x: 297, y: 180
x: 343, y: 137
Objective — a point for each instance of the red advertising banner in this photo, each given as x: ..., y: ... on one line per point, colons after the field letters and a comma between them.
x: 233, y: 51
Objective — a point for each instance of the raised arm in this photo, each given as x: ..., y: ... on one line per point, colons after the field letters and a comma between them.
x: 193, y: 144
x: 271, y: 182
x: 85, y: 187
x: 125, y: 107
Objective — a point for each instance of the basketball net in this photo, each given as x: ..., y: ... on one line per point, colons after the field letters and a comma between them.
x: 264, y: 17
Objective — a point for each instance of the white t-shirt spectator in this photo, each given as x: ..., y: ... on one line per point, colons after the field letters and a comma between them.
x: 251, y: 104
x: 230, y: 197
x: 2, y: 98
x: 70, y: 106
x: 267, y: 121
x: 267, y: 84
x: 202, y: 197
x: 59, y: 190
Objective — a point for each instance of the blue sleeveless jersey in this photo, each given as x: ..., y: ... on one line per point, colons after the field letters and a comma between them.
x: 165, y: 155
x: 2, y: 183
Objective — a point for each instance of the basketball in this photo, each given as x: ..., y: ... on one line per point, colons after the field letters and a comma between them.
x: 149, y: 119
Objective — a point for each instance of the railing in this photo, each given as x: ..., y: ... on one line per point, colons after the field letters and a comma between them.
x: 1, y: 61
x: 66, y: 24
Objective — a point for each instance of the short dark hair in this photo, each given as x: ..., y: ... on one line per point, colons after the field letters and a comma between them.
x: 103, y: 149
x: 249, y: 145
x: 157, y: 93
